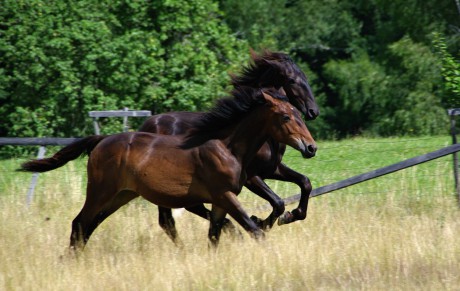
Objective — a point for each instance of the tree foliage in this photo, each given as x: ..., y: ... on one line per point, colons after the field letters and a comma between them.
x: 61, y: 59
x: 450, y: 72
x: 371, y: 63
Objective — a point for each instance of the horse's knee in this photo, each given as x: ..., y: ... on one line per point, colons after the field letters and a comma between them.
x: 305, y: 184
x: 278, y: 206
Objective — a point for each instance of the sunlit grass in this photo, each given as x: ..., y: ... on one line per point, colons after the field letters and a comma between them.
x: 398, y: 232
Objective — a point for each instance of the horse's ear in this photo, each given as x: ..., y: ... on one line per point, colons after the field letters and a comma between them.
x: 272, y: 63
x: 281, y: 91
x: 269, y: 100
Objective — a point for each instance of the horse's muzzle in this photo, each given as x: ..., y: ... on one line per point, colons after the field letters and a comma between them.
x: 308, y: 150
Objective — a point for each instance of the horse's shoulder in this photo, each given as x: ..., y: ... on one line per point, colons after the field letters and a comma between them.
x: 215, y: 152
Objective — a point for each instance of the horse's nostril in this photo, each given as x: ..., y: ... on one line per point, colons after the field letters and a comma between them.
x: 311, y: 149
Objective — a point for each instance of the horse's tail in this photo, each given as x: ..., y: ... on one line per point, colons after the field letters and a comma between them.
x: 76, y: 149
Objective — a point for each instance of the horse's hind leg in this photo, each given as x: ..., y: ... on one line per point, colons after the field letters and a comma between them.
x: 167, y: 223
x: 216, y: 222
x: 227, y: 225
x: 94, y: 212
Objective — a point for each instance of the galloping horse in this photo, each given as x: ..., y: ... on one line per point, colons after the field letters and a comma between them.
x: 206, y: 166
x: 271, y: 69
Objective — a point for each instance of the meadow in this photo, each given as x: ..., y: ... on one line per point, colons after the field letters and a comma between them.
x: 396, y: 232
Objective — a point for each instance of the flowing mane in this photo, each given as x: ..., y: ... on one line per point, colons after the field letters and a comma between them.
x: 265, y: 69
x: 227, y: 111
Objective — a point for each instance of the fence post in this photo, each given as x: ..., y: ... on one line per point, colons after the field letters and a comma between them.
x: 125, y: 113
x: 97, y: 130
x: 125, y: 121
x: 452, y: 113
x: 30, y: 192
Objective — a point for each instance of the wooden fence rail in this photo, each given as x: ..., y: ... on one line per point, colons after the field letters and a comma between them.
x: 37, y: 141
x: 44, y: 141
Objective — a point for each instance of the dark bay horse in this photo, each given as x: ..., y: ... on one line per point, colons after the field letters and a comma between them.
x: 271, y: 69
x: 206, y: 166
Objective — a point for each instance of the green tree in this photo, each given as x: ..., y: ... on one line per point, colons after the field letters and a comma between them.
x: 361, y: 87
x: 61, y: 59
x: 400, y: 97
x: 450, y: 72
x: 416, y: 91
x: 370, y: 59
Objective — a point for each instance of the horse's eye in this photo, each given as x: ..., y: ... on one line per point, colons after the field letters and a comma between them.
x: 286, y: 118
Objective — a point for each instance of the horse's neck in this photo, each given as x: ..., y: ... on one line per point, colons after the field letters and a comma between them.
x: 247, y: 137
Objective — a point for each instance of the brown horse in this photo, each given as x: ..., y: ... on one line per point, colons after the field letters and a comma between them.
x: 271, y: 69
x: 206, y: 166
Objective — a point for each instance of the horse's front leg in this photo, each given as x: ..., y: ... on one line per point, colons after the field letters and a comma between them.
x: 284, y: 173
x: 228, y: 203
x: 261, y: 189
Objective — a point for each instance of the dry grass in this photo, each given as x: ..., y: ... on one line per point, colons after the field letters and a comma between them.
x: 392, y: 240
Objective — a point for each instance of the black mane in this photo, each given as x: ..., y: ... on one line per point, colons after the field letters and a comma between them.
x: 264, y: 69
x: 226, y: 112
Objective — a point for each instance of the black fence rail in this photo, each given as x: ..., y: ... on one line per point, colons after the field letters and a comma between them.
x: 449, y: 150
x: 380, y: 172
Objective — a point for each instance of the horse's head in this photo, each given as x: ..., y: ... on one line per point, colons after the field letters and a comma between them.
x: 286, y: 125
x: 281, y: 71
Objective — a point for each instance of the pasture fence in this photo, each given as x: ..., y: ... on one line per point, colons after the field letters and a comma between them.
x: 380, y: 172
x: 453, y: 129
x: 368, y: 175
x: 125, y: 113
x: 48, y: 141
x: 329, y: 187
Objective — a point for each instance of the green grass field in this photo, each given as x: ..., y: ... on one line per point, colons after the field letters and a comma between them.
x: 396, y: 232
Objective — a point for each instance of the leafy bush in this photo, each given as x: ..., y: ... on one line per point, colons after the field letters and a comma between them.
x: 61, y: 59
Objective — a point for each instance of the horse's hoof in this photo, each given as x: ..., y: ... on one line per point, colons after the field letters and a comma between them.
x: 265, y: 225
x: 257, y: 220
x: 285, y: 218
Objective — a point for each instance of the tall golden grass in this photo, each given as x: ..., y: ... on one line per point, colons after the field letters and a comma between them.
x: 380, y: 238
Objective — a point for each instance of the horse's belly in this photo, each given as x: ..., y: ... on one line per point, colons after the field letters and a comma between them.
x: 172, y: 189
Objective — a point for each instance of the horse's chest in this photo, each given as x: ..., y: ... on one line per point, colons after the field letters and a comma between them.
x: 222, y: 170
x: 266, y: 160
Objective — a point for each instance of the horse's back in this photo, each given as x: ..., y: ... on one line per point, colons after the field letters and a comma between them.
x: 171, y: 123
x: 138, y: 148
